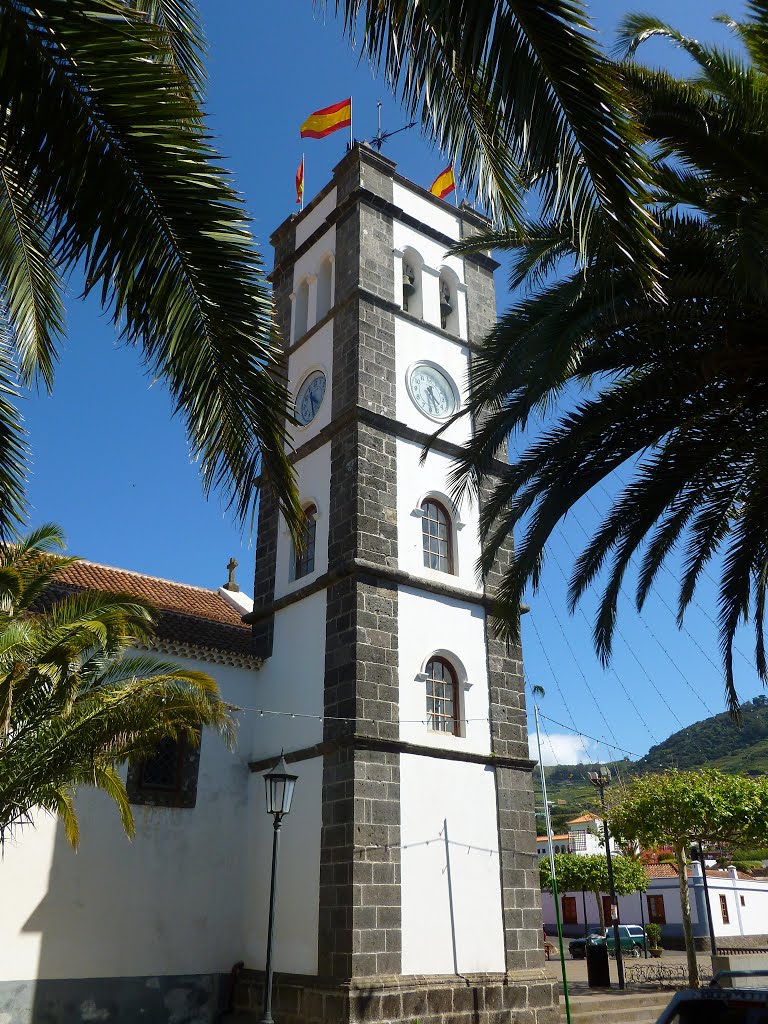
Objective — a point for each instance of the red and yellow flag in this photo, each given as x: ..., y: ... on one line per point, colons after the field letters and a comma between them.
x: 329, y: 119
x: 300, y: 182
x: 444, y: 183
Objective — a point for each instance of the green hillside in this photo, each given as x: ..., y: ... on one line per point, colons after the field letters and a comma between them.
x: 716, y: 742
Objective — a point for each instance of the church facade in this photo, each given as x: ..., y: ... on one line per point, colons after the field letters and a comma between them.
x: 408, y: 875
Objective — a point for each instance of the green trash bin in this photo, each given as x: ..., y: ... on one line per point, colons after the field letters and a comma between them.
x: 598, y: 974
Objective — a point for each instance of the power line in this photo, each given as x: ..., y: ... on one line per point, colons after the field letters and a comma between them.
x: 594, y: 739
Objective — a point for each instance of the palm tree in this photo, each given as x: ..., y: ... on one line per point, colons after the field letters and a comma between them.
x: 603, y: 378
x: 107, y: 168
x: 73, y: 703
x: 523, y: 99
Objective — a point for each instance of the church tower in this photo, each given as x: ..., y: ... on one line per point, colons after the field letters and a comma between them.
x: 409, y: 880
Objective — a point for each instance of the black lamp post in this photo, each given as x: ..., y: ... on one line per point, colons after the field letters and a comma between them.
x: 279, y: 792
x: 600, y: 780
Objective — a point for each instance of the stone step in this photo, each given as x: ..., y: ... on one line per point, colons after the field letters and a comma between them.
x: 631, y: 1008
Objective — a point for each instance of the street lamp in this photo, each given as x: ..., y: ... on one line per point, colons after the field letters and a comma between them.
x: 279, y: 792
x: 600, y: 780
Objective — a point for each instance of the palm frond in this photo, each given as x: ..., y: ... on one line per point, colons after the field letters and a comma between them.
x: 168, y: 246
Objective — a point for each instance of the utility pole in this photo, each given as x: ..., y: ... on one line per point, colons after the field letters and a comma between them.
x: 600, y: 780
x: 552, y: 870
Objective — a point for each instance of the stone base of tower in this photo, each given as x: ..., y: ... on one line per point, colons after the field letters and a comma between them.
x: 522, y: 997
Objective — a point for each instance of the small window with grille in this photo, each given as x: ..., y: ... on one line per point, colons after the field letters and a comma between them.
x: 168, y: 778
x: 436, y: 539
x: 442, y: 697
x: 304, y: 557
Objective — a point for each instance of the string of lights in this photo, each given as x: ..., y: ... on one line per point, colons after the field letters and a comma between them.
x: 439, y: 838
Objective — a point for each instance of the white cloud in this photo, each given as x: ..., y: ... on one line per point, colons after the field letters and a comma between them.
x: 562, y: 748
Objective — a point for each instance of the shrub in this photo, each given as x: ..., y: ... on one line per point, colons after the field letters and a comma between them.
x: 653, y: 931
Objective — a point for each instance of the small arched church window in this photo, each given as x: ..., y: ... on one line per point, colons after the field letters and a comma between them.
x: 436, y: 536
x: 413, y: 301
x: 301, y: 310
x: 324, y: 287
x: 442, y: 696
x: 304, y: 557
x: 449, y: 301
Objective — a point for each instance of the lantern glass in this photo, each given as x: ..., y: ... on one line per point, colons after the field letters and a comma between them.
x: 279, y: 786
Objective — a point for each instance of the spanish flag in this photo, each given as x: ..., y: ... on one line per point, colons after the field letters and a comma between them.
x: 300, y: 182
x: 329, y: 119
x: 444, y: 183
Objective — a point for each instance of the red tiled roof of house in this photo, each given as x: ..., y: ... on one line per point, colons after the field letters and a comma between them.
x: 188, y: 615
x: 543, y: 839
x: 582, y: 818
x: 670, y: 871
x: 660, y: 870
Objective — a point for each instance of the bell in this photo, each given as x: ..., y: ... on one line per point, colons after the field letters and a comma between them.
x: 409, y: 280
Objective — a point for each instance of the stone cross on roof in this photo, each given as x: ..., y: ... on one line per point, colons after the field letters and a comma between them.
x: 231, y: 584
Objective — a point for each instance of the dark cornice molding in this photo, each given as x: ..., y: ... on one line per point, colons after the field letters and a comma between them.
x: 362, y: 742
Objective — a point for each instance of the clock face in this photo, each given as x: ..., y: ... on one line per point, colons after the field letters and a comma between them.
x: 310, y: 397
x: 432, y: 391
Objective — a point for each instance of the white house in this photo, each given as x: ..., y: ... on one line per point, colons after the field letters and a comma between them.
x: 408, y: 861
x: 585, y: 835
x: 739, y: 906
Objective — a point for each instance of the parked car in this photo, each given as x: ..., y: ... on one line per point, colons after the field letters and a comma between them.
x: 631, y: 939
x: 716, y: 1005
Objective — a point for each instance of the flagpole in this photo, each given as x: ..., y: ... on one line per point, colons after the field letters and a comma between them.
x: 351, y: 139
x: 455, y: 188
x: 303, y: 181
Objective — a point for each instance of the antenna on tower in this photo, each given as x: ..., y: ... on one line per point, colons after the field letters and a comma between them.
x: 381, y: 137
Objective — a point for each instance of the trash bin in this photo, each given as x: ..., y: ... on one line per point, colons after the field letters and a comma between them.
x: 598, y: 975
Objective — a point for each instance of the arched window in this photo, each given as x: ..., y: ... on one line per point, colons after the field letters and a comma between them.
x: 324, y: 287
x: 442, y: 696
x: 449, y: 301
x: 301, y: 310
x: 413, y: 301
x: 304, y: 558
x: 436, y: 539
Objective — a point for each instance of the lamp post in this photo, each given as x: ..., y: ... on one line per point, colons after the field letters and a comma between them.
x: 279, y: 792
x: 600, y: 780
x: 710, y: 919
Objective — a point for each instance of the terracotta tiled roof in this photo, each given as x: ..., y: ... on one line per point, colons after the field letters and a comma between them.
x: 670, y: 871
x: 188, y: 615
x: 582, y: 818
x: 660, y: 870
x: 543, y: 839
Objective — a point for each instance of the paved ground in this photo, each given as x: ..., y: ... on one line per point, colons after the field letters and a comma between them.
x: 576, y: 970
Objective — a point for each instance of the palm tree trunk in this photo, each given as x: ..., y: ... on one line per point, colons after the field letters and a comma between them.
x: 685, y: 906
x: 599, y: 898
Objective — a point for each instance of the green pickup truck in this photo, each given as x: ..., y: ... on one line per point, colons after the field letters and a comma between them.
x: 631, y: 938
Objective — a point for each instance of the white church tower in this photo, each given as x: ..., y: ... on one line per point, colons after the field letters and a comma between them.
x: 409, y: 881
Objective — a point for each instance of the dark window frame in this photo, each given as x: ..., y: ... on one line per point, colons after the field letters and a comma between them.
x: 304, y: 558
x: 724, y: 909
x: 436, y: 701
x: 656, y: 916
x: 570, y: 909
x: 182, y: 794
x: 432, y: 538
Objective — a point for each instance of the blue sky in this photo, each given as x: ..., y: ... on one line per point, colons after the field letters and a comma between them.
x: 112, y: 467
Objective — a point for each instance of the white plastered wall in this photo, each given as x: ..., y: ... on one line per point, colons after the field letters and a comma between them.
x: 451, y: 898
x: 314, y: 487
x: 437, y: 214
x: 312, y: 219
x: 414, y: 484
x: 169, y: 902
x: 307, y: 267
x: 291, y: 681
x: 430, y: 625
x: 315, y: 354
